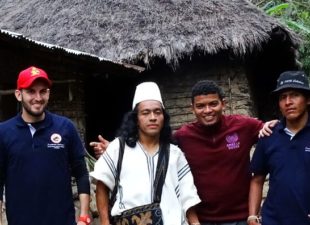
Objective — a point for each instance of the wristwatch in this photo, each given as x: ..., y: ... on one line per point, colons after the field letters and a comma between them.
x: 86, y: 219
x: 253, y: 217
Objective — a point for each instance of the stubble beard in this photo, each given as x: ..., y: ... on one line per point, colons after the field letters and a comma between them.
x: 32, y: 113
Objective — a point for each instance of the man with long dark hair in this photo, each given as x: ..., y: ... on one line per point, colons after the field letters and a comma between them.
x: 146, y: 131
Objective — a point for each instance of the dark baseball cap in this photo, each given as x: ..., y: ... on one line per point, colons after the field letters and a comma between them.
x: 292, y: 79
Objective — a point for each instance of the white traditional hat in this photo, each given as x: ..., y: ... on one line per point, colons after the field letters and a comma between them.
x: 146, y: 91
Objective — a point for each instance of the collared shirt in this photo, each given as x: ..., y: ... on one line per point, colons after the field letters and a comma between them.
x: 286, y: 159
x: 36, y: 169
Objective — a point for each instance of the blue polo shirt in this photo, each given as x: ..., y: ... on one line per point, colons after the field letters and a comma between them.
x: 287, y: 160
x: 36, y: 170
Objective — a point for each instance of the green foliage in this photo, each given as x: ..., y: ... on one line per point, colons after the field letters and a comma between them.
x: 305, y: 53
x: 297, y: 26
x: 90, y: 161
x: 277, y: 10
x: 295, y: 15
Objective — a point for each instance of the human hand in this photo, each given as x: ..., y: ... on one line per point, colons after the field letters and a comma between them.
x: 267, y: 128
x: 99, y: 147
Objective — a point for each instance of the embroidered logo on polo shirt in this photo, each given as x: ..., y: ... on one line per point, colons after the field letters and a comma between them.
x: 56, y: 139
x: 232, y: 141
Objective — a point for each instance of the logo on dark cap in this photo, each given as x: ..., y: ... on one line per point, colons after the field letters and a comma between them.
x: 292, y: 79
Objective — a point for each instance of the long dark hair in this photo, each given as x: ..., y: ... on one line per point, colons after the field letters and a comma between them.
x: 129, y: 128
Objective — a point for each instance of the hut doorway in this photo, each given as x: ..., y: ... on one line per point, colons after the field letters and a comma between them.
x: 107, y: 99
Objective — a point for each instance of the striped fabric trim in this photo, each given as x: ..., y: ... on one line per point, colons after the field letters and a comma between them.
x: 110, y: 163
x: 183, y: 171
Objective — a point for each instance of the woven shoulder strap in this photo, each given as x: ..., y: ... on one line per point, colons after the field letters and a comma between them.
x: 161, y: 170
x: 118, y: 170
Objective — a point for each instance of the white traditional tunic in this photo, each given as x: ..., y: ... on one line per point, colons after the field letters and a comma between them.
x: 136, y: 181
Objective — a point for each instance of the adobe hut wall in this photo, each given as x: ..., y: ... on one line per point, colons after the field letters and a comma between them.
x: 176, y: 89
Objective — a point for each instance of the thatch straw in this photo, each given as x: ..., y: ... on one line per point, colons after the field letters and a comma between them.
x: 135, y: 30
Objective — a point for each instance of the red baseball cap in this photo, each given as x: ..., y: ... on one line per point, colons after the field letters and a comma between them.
x: 27, y: 76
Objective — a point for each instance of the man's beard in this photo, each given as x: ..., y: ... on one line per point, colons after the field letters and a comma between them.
x: 32, y: 113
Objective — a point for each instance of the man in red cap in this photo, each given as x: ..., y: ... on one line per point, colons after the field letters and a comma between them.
x: 39, y: 153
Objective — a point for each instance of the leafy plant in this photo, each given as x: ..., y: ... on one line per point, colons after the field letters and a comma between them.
x: 296, y: 16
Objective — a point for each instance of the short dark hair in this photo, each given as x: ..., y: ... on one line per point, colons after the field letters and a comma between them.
x: 205, y: 87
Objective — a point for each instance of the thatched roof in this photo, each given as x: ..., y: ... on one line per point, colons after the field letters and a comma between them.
x: 14, y: 38
x: 134, y: 30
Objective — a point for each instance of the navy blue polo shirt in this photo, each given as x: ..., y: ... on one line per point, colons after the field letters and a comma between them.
x: 36, y: 170
x: 287, y: 160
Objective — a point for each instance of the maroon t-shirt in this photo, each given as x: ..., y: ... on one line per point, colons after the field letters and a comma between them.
x: 219, y: 158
